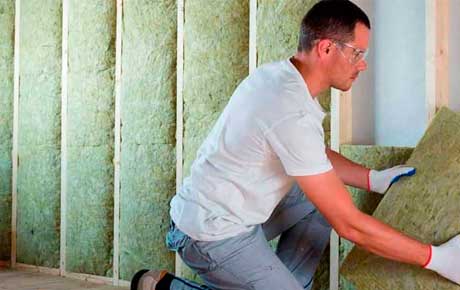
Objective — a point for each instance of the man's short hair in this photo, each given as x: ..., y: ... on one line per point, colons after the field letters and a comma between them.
x: 330, y: 19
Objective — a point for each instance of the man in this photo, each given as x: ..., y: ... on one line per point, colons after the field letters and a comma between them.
x: 264, y: 171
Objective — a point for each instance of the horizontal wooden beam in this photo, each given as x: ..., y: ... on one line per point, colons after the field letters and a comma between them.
x: 79, y: 276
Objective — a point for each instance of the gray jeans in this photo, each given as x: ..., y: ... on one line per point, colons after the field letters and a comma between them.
x: 246, y: 261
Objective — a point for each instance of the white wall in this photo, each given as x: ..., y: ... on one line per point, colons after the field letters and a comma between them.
x: 363, y: 89
x: 400, y: 113
x: 454, y: 56
x: 389, y: 99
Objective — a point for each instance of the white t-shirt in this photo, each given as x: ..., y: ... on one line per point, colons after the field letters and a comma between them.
x: 270, y: 131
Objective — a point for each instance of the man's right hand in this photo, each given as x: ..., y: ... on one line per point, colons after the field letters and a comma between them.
x: 445, y: 259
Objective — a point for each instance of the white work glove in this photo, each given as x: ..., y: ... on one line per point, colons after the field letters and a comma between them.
x: 445, y: 260
x: 380, y: 181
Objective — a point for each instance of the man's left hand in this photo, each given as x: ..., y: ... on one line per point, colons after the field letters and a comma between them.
x: 380, y: 181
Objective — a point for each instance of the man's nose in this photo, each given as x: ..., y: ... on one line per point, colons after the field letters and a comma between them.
x: 362, y: 65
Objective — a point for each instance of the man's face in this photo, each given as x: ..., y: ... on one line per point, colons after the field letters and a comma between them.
x: 348, y: 60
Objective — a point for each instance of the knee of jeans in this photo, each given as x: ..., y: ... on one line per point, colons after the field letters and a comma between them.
x: 309, y: 285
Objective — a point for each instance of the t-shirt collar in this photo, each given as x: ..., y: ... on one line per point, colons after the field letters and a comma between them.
x: 312, y: 104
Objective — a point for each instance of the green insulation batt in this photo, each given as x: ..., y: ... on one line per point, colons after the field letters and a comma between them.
x: 38, y: 209
x: 325, y: 100
x: 321, y: 278
x: 6, y: 123
x: 90, y: 123
x: 278, y: 26
x: 148, y: 161
x: 425, y: 206
x: 216, y: 53
x: 375, y: 157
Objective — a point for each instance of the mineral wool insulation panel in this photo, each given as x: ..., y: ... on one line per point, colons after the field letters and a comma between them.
x: 425, y: 206
x: 216, y: 53
x: 216, y: 59
x: 90, y: 171
x: 38, y: 180
x: 375, y: 157
x: 148, y: 161
x: 6, y: 123
x: 278, y: 25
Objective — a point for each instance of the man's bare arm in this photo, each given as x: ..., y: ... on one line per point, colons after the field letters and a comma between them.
x: 349, y: 172
x: 329, y: 195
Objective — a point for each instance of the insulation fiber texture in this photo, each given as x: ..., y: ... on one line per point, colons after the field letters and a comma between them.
x: 278, y: 26
x: 216, y: 52
x: 90, y: 122
x: 215, y: 61
x: 321, y: 277
x: 325, y: 100
x: 6, y: 123
x: 425, y: 206
x: 39, y: 133
x: 148, y: 161
x: 375, y: 157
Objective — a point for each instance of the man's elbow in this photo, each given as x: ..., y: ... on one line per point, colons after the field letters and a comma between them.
x: 348, y: 229
x: 350, y: 233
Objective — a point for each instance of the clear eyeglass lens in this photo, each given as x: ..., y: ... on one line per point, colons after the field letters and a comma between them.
x: 358, y: 55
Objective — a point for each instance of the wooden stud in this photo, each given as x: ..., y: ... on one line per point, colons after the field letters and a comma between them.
x: 116, y: 185
x: 64, y: 95
x: 15, y: 131
x: 334, y: 261
x: 442, y: 53
x: 335, y: 145
x: 437, y: 55
x: 252, y: 35
x: 179, y: 108
x: 341, y: 133
x: 341, y: 118
x: 346, y: 123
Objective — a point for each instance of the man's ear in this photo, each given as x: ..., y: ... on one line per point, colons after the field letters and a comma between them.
x: 323, y: 47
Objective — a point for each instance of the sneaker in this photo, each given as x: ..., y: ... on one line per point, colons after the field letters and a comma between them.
x: 147, y: 279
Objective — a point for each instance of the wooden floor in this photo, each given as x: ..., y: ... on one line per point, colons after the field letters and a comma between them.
x: 21, y: 280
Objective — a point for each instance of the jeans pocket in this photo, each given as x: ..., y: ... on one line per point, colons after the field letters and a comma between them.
x: 196, y: 258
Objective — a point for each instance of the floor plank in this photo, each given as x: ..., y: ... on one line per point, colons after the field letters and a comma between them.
x: 23, y: 280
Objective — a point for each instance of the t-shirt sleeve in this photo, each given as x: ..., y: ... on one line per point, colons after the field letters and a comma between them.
x: 298, y: 141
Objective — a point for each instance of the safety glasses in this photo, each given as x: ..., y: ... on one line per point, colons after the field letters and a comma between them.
x: 357, y: 54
